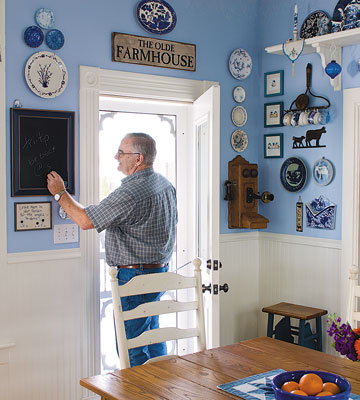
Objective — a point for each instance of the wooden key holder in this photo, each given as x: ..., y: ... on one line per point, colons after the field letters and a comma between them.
x: 242, y: 195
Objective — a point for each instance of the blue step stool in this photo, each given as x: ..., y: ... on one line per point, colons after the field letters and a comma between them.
x: 302, y: 313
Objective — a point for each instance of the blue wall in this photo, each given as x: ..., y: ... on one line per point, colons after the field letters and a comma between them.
x: 217, y: 27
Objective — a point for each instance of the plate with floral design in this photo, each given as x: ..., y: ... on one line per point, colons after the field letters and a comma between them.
x: 156, y: 16
x: 46, y: 74
x: 239, y: 140
x: 240, y: 64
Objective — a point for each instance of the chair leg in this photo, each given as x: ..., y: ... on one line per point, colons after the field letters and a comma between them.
x: 270, y: 327
x: 319, y: 333
x: 301, y: 332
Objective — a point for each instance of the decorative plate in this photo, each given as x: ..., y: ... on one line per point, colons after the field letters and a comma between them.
x: 44, y: 18
x: 315, y: 24
x: 239, y: 94
x: 240, y: 64
x: 239, y: 140
x: 239, y: 116
x: 156, y: 16
x: 293, y: 174
x: 352, y: 15
x: 323, y: 171
x: 33, y: 36
x: 46, y: 74
x: 55, y: 39
x: 63, y: 214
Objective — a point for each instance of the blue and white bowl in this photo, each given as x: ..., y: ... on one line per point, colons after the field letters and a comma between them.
x: 280, y: 379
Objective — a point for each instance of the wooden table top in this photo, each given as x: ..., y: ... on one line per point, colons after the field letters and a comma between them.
x: 197, y: 375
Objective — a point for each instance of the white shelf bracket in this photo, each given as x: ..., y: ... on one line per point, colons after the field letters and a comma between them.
x: 327, y: 54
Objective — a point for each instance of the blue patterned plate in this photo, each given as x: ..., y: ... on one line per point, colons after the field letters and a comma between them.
x: 239, y: 94
x: 240, y: 64
x: 156, y: 16
x: 33, y: 36
x: 323, y: 172
x: 315, y: 24
x: 55, y: 39
x: 44, y: 18
x: 293, y: 174
x: 239, y: 140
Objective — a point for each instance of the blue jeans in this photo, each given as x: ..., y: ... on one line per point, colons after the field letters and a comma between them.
x: 135, y: 327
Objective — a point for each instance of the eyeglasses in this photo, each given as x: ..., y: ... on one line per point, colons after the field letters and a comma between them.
x: 121, y: 153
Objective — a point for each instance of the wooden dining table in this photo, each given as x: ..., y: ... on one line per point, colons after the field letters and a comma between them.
x: 197, y: 375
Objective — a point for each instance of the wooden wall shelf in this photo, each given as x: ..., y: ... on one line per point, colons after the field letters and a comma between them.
x: 322, y: 46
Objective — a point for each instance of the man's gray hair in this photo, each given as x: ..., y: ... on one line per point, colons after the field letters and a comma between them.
x: 144, y: 144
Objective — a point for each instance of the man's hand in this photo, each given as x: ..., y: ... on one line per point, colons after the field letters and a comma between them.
x: 55, y: 183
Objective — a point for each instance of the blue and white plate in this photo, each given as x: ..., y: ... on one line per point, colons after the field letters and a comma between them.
x: 323, y: 171
x: 33, y: 36
x: 239, y: 94
x: 240, y: 64
x: 239, y: 116
x: 293, y: 174
x: 46, y: 74
x: 44, y: 18
x: 156, y: 16
x: 55, y: 39
x: 239, y: 140
x: 315, y: 24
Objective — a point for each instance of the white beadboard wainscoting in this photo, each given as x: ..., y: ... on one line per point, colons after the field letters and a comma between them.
x: 264, y: 269
x: 42, y: 293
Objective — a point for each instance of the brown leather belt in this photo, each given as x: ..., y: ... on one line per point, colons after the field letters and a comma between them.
x: 145, y: 266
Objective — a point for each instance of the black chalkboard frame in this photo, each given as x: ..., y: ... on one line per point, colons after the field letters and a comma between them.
x: 67, y: 132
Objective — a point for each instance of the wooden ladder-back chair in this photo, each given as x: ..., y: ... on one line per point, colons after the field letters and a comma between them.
x: 150, y: 283
x: 354, y: 298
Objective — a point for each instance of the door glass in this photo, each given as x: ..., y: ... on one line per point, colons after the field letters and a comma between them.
x: 113, y: 126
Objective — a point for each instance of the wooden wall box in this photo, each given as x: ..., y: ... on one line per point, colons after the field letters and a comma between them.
x: 243, y: 177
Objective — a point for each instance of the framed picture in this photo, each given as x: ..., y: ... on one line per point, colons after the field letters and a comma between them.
x: 41, y: 141
x: 273, y: 114
x: 33, y: 216
x: 273, y: 145
x: 274, y: 83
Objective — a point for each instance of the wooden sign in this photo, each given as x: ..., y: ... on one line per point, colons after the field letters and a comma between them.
x: 32, y: 216
x: 155, y: 52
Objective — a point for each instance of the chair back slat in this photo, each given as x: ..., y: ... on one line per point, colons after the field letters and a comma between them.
x: 161, y: 335
x: 159, y: 308
x: 160, y: 282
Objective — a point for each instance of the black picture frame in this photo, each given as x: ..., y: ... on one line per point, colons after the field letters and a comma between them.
x: 41, y: 141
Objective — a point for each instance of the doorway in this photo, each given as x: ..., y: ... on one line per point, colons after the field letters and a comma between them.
x: 94, y: 83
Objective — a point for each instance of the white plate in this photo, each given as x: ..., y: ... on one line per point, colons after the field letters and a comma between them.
x: 239, y: 140
x: 240, y: 64
x: 46, y: 74
x: 239, y: 116
x: 239, y: 94
x: 44, y: 18
x: 323, y: 171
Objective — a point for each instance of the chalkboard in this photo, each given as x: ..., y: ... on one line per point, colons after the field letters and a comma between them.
x: 41, y: 141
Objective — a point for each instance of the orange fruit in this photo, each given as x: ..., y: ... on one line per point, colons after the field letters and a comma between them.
x: 325, y: 394
x: 299, y: 392
x: 311, y: 384
x: 331, y: 387
x: 289, y: 386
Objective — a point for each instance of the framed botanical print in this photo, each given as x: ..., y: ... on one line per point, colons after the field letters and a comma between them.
x: 274, y: 83
x: 273, y: 145
x: 273, y: 114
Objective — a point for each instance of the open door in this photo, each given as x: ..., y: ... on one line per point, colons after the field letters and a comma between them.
x: 206, y: 122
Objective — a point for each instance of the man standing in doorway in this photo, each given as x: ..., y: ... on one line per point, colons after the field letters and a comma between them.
x: 140, y: 219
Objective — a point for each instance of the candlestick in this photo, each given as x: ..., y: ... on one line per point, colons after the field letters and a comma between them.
x: 295, y: 21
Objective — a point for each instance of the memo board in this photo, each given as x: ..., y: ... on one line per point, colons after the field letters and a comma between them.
x: 41, y: 141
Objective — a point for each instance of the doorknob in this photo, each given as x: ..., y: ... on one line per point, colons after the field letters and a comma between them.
x: 224, y: 287
x: 205, y: 288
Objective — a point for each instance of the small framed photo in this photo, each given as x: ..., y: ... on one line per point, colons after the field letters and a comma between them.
x: 273, y: 145
x: 274, y: 83
x: 33, y: 216
x: 273, y: 114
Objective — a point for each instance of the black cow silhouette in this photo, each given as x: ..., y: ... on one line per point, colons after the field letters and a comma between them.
x: 298, y: 141
x: 314, y: 134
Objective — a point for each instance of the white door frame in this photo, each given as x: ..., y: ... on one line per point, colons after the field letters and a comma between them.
x: 350, y: 193
x: 95, y: 82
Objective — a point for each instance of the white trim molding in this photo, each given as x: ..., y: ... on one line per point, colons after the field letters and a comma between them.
x: 95, y: 82
x: 350, y: 189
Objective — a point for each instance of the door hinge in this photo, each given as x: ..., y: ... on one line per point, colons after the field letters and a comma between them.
x: 216, y: 264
